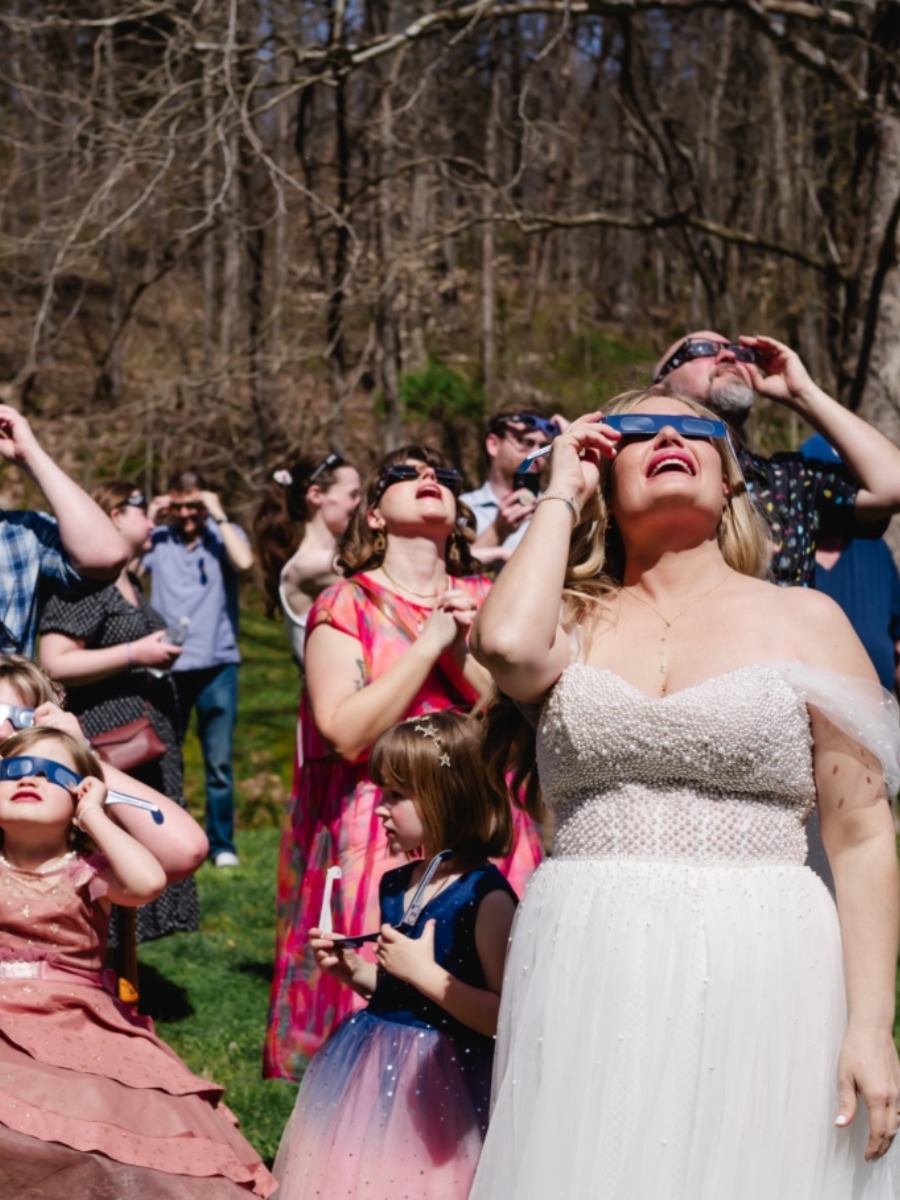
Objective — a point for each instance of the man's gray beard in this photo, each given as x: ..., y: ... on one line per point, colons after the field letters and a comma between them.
x: 731, y: 398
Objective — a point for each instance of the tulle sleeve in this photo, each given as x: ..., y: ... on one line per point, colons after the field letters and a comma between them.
x: 860, y: 708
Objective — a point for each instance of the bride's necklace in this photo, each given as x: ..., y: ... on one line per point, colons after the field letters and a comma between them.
x: 403, y: 588
x: 52, y: 864
x: 667, y: 625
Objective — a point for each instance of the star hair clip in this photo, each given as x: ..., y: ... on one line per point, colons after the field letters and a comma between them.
x: 427, y: 730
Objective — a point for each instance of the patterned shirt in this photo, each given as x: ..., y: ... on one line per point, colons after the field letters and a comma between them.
x: 31, y: 558
x: 802, y: 500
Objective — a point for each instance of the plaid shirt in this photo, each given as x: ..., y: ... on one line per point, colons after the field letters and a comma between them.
x: 31, y: 559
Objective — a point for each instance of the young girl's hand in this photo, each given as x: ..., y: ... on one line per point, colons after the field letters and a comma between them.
x: 329, y: 956
x: 407, y: 959
x: 90, y: 794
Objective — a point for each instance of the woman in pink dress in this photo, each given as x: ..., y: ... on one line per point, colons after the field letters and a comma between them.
x: 387, y: 643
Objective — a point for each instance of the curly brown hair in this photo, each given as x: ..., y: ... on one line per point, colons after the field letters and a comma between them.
x: 278, y: 525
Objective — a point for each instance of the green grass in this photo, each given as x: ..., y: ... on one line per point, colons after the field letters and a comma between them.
x: 208, y: 992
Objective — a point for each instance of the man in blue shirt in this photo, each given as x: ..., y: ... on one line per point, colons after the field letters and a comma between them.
x: 194, y: 563
x: 37, y: 551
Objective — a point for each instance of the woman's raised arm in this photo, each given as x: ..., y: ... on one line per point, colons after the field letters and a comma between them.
x: 517, y: 634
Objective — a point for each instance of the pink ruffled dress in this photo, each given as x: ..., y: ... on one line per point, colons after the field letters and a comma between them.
x: 331, y: 822
x: 92, y: 1103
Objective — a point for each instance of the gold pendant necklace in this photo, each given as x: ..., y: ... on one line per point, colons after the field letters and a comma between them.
x: 409, y: 590
x: 667, y: 625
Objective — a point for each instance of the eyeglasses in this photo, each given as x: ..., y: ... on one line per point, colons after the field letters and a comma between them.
x: 328, y: 463
x: 188, y: 506
x: 692, y: 348
x: 18, y: 716
x: 411, y: 913
x: 530, y: 422
x: 645, y: 425
x: 26, y: 767
x: 404, y: 472
x: 136, y: 500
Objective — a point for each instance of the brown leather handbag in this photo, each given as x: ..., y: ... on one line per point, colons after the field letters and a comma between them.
x: 130, y: 745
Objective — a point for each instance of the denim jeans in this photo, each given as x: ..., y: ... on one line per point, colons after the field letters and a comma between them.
x: 213, y: 691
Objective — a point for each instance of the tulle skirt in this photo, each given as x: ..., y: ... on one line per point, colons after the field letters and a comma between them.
x: 671, y: 1032
x: 387, y: 1110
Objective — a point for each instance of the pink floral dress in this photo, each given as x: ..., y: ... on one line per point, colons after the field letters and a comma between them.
x: 331, y: 822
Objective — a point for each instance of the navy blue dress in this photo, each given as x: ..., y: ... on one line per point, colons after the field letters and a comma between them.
x: 396, y: 1102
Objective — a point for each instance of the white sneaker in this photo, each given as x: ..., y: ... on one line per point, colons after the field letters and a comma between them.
x: 226, y: 858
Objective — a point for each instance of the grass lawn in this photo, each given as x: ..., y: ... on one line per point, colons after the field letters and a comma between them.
x: 209, y: 991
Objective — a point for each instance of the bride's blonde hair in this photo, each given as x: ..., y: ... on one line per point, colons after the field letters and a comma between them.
x: 594, y: 575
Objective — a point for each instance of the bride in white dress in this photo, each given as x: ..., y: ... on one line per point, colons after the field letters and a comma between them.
x: 685, y: 1014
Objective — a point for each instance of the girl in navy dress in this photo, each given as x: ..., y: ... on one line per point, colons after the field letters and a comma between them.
x: 396, y: 1102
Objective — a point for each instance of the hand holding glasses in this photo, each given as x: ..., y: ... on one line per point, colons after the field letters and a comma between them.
x: 643, y: 425
x: 411, y: 913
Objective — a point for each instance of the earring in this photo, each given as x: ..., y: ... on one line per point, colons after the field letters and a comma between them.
x: 379, y: 542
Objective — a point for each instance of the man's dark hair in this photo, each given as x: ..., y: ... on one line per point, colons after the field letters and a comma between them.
x: 186, y: 480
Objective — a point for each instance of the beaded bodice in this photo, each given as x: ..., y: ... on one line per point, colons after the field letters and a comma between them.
x: 719, y: 772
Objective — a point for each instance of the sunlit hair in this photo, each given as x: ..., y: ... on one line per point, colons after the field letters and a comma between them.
x: 459, y: 808
x: 594, y: 576
x: 280, y: 520
x: 28, y: 680
x: 359, y: 552
x: 114, y: 493
x: 84, y: 762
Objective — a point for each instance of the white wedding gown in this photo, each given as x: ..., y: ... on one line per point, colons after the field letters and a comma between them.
x: 673, y: 1004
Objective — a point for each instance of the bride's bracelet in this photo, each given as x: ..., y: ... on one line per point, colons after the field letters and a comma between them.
x: 567, y: 500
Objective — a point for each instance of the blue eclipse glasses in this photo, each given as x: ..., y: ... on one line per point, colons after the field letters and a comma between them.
x: 645, y: 425
x: 692, y: 348
x: 17, y: 715
x: 27, y: 766
x: 529, y: 422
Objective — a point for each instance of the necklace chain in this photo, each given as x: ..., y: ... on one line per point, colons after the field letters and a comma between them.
x: 668, y: 623
x: 45, y: 868
x: 411, y: 591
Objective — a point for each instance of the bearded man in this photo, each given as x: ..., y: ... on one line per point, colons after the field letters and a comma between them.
x: 801, y: 499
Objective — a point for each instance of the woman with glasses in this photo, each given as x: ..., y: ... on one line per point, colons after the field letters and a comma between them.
x: 686, y: 1012
x: 302, y: 517
x: 387, y: 643
x: 112, y: 653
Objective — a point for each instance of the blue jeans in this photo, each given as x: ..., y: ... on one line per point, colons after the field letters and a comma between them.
x: 213, y: 691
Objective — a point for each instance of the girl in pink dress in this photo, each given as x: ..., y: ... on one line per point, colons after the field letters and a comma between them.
x: 91, y: 1102
x: 389, y: 642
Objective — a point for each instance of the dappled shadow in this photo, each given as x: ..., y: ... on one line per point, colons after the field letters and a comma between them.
x: 162, y: 999
x: 262, y: 970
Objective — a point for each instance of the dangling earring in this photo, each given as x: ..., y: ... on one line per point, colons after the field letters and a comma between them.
x: 379, y: 542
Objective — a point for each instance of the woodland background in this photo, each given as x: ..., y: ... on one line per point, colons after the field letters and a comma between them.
x: 232, y: 230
